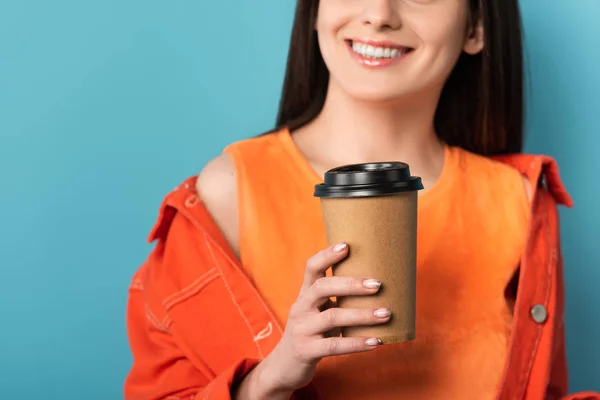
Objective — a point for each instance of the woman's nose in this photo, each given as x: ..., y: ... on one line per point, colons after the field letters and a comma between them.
x: 382, y: 14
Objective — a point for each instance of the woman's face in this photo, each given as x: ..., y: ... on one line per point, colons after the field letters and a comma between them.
x: 381, y: 50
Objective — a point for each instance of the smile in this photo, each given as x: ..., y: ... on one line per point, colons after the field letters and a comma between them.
x: 377, y: 54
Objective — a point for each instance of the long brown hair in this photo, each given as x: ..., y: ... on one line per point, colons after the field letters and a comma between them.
x: 481, y: 105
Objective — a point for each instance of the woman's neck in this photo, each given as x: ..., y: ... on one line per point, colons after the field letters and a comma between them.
x: 348, y: 131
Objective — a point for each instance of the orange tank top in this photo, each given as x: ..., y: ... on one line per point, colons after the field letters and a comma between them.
x: 472, y: 227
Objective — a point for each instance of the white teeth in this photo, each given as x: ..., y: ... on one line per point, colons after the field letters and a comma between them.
x: 375, y: 52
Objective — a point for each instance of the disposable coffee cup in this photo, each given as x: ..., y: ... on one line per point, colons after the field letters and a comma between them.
x: 373, y: 208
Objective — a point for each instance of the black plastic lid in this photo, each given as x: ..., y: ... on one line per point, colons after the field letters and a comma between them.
x: 368, y: 180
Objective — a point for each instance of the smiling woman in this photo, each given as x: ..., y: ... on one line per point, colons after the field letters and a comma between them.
x: 480, y: 107
x: 373, y: 53
x: 434, y: 33
x: 234, y: 300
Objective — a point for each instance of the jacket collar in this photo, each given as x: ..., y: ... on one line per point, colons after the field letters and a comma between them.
x: 542, y: 172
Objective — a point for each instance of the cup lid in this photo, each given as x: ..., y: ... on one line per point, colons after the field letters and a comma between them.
x: 368, y: 180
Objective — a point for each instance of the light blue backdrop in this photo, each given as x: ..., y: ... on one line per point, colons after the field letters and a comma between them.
x: 106, y: 105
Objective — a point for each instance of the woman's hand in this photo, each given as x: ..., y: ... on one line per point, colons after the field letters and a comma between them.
x: 310, y: 333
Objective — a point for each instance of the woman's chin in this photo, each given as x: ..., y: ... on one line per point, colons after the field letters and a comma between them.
x: 376, y: 94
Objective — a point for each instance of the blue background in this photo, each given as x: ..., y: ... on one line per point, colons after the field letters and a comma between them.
x: 105, y: 106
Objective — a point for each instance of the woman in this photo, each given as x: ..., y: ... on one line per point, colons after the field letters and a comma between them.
x: 230, y: 302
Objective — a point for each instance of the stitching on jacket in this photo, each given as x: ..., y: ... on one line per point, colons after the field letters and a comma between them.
x: 167, y: 322
x: 191, y: 217
x: 265, y: 333
x: 155, y: 322
x: 224, y: 254
x: 136, y: 283
x: 190, y: 290
x: 530, y: 364
x: 212, y: 254
x: 546, y: 222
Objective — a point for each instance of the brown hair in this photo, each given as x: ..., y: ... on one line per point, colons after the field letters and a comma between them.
x: 481, y: 105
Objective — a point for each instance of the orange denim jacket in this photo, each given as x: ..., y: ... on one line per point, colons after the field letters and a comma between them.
x: 197, y: 325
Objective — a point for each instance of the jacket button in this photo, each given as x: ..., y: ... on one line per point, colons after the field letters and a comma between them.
x: 539, y: 313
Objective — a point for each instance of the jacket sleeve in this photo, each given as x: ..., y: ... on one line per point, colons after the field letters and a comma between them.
x: 160, y: 367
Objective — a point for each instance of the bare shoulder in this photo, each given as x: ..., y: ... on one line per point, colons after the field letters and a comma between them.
x: 218, y: 174
x: 217, y: 188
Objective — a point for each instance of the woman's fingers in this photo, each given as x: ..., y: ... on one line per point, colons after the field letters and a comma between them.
x: 336, y: 346
x: 341, y: 317
x: 321, y: 261
x: 337, y: 286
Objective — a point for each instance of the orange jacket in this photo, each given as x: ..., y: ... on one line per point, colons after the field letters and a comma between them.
x: 197, y: 325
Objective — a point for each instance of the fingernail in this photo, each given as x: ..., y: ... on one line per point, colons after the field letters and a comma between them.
x: 338, y: 248
x: 372, y: 284
x: 373, y: 342
x: 383, y: 313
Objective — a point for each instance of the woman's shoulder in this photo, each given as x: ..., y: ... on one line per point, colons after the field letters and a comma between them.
x: 216, y: 186
x: 217, y: 179
x: 200, y: 214
x: 217, y: 182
